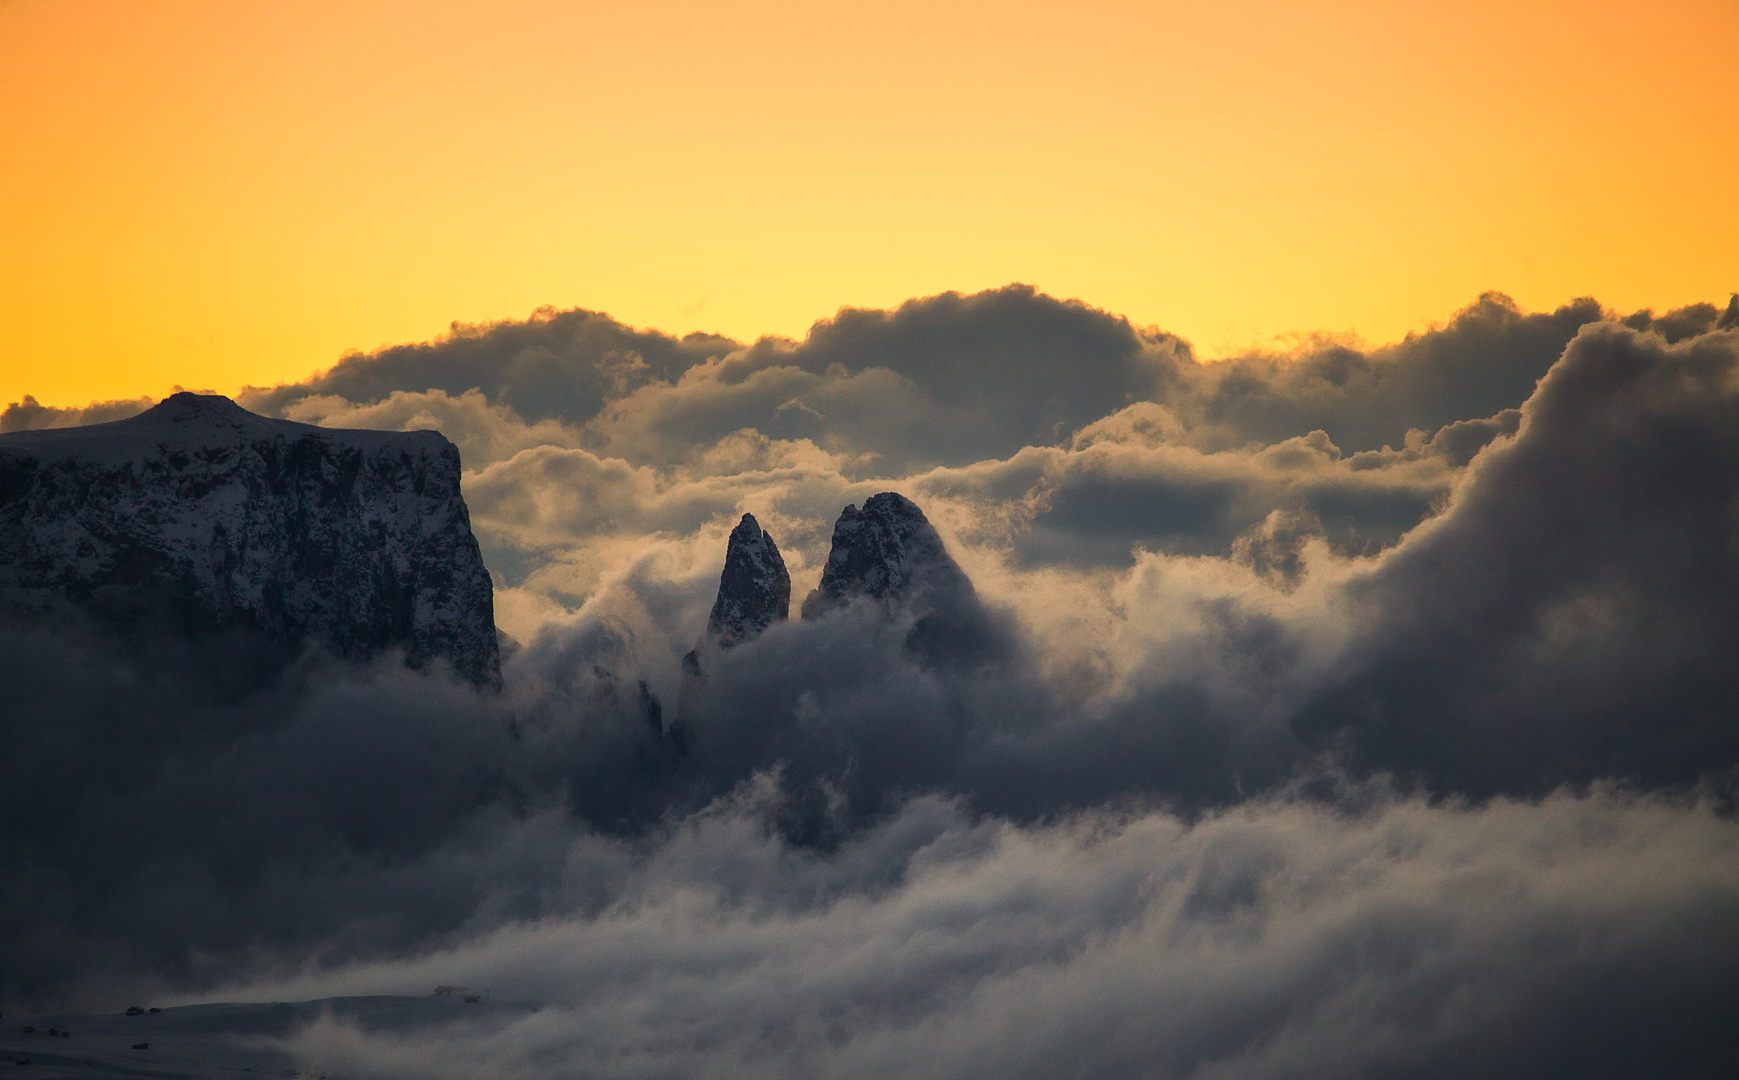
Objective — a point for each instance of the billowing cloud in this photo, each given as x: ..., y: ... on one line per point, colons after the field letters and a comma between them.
x: 1127, y: 483
x: 484, y: 432
x: 554, y: 365
x: 954, y: 379
x: 962, y: 381
x: 30, y: 415
x: 1590, y: 936
x: 1572, y: 612
x: 1483, y: 361
x: 1360, y: 711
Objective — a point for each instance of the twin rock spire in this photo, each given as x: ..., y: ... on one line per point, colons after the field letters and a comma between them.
x: 887, y: 552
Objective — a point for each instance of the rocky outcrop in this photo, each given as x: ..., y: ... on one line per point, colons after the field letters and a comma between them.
x: 889, y: 554
x: 754, y: 593
x: 754, y: 589
x: 200, y: 516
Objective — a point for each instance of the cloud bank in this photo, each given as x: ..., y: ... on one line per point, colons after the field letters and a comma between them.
x: 1589, y: 936
x: 1367, y: 711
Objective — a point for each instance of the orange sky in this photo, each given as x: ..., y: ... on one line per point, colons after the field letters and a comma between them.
x: 211, y: 194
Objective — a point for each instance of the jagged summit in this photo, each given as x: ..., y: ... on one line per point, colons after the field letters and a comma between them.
x: 754, y: 589
x: 754, y: 593
x: 886, y: 551
x: 199, y: 516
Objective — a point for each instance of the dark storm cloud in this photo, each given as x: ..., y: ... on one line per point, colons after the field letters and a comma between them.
x: 556, y: 364
x: 154, y: 815
x: 170, y: 821
x: 1373, y: 933
x: 1688, y: 321
x: 1130, y: 482
x: 1484, y: 360
x: 1572, y: 614
x: 949, y: 378
x: 996, y: 371
x: 28, y: 415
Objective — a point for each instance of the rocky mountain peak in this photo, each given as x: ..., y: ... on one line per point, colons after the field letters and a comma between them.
x: 754, y: 589
x: 886, y: 551
x: 889, y: 554
x: 754, y: 593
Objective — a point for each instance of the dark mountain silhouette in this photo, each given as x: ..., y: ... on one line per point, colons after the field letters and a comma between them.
x: 200, y: 517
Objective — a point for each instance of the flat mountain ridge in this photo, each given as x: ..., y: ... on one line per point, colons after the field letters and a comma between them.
x: 200, y: 516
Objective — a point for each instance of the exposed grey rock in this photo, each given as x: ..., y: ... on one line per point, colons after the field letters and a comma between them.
x: 754, y: 589
x: 889, y: 554
x: 754, y: 593
x: 201, y: 516
x: 887, y: 551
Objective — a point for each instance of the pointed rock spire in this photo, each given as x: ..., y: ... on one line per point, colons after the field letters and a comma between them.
x: 754, y: 590
x: 888, y: 551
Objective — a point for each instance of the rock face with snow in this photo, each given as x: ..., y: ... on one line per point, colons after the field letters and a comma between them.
x: 200, y: 516
x: 754, y: 593
x: 754, y: 590
x: 887, y: 551
x: 889, y: 554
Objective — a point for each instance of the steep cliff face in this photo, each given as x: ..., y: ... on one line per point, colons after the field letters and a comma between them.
x: 754, y: 589
x: 198, y: 515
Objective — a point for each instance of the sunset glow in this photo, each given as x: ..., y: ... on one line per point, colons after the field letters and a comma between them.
x: 213, y: 194
x: 944, y: 541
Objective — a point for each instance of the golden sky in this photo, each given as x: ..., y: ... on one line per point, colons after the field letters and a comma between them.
x: 213, y: 194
